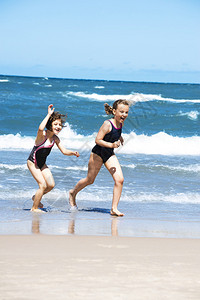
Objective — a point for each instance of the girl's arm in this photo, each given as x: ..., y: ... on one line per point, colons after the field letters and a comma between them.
x: 64, y: 150
x: 42, y: 126
x: 105, y: 128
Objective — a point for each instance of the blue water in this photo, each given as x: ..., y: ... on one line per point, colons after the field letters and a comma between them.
x: 160, y: 158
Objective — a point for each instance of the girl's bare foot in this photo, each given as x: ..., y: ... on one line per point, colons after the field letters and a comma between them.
x: 116, y: 212
x: 37, y: 210
x: 72, y: 200
x: 40, y: 204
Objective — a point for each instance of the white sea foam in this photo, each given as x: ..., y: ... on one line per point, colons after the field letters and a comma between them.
x: 4, y: 80
x: 191, y: 198
x: 194, y: 168
x: 72, y: 168
x: 72, y: 140
x: 13, y: 167
x: 99, y: 87
x: 26, y: 195
x: 160, y: 143
x: 68, y: 136
x: 190, y: 168
x: 11, y: 141
x: 23, y: 167
x: 131, y: 166
x: 134, y: 97
x: 192, y: 115
x: 57, y: 196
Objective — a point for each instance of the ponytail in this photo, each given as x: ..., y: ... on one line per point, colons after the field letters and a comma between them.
x: 109, y: 109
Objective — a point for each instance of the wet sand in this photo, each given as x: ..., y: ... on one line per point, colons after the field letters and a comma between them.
x: 96, y: 267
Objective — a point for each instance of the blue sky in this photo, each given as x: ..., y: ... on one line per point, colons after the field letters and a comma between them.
x: 146, y: 40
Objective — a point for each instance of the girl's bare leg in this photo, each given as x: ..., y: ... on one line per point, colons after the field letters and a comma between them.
x: 46, y: 173
x: 94, y: 166
x: 40, y: 204
x: 45, y: 181
x: 115, y: 170
x: 37, y: 175
x: 49, y: 181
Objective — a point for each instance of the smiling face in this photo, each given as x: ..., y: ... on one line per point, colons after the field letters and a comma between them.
x: 56, y: 116
x: 56, y: 126
x: 121, y: 113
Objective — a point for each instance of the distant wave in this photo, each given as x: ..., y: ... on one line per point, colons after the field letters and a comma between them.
x: 99, y: 87
x: 135, y: 97
x: 46, y: 85
x: 192, y: 115
x: 160, y: 143
x: 4, y: 80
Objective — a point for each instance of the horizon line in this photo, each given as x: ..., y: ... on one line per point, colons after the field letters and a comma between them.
x: 89, y: 79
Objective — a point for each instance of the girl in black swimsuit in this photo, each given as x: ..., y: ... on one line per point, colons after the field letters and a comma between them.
x: 37, y: 159
x: 108, y: 138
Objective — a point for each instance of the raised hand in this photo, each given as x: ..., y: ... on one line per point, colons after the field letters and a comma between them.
x: 50, y: 109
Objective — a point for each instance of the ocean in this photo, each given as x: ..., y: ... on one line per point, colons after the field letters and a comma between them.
x: 160, y: 158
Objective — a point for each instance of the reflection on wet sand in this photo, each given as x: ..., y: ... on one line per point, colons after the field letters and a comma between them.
x: 71, y: 227
x: 114, y: 226
x: 36, y: 222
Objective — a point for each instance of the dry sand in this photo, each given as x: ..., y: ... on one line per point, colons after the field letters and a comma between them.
x: 95, y: 267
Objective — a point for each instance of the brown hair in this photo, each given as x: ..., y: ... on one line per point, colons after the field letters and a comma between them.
x: 109, y: 109
x: 55, y: 116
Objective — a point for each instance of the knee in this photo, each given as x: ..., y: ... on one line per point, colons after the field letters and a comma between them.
x: 43, y: 186
x: 51, y: 186
x: 90, y: 180
x: 119, y: 181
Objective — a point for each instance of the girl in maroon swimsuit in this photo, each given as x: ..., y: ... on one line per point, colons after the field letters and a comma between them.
x: 108, y: 138
x: 37, y: 159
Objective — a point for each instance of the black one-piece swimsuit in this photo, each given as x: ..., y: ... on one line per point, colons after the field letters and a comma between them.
x: 112, y: 136
x: 40, y: 152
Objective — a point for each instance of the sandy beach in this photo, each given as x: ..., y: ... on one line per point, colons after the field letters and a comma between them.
x: 96, y: 267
